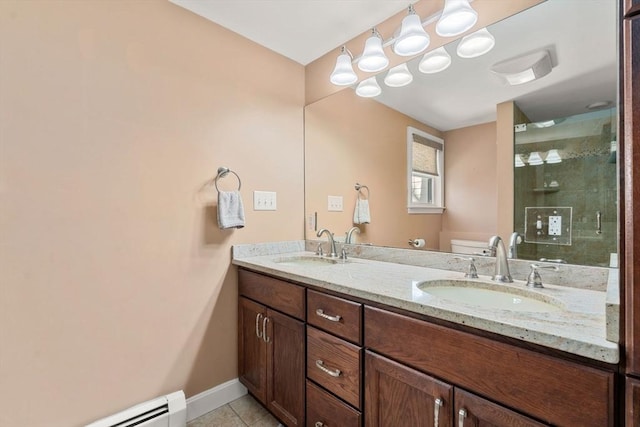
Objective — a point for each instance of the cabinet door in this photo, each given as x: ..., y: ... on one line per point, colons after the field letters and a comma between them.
x: 285, y: 367
x: 396, y: 395
x: 632, y: 404
x: 251, y: 348
x: 473, y: 411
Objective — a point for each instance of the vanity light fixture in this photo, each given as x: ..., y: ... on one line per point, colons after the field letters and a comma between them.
x: 368, y: 88
x: 412, y: 39
x: 523, y: 69
x: 398, y: 76
x: 457, y: 17
x: 476, y: 44
x: 343, y: 74
x: 435, y: 61
x: 553, y: 156
x: 518, y: 161
x: 373, y: 58
x: 535, y: 159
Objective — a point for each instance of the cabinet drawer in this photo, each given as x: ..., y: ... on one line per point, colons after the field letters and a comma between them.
x: 325, y: 410
x: 336, y: 315
x: 334, y: 364
x: 278, y: 294
x: 556, y: 391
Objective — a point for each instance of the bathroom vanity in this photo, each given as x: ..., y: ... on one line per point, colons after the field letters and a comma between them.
x: 330, y: 343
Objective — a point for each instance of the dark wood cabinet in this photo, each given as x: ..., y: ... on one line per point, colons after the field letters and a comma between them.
x: 632, y: 403
x: 325, y: 410
x: 473, y: 411
x: 538, y: 385
x: 397, y: 395
x: 285, y: 368
x: 271, y: 345
x: 252, y: 350
x: 381, y: 368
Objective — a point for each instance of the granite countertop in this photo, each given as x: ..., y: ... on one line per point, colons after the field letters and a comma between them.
x: 579, y: 327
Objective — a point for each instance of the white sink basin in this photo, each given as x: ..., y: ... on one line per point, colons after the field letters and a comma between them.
x: 307, y: 261
x: 491, y: 296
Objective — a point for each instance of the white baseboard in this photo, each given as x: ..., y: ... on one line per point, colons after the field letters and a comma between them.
x: 213, y: 398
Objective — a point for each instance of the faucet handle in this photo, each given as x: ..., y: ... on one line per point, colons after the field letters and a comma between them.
x: 533, y: 279
x: 319, y: 250
x: 343, y: 254
x: 472, y: 273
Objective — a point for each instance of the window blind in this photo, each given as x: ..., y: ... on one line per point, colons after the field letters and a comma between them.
x: 425, y: 155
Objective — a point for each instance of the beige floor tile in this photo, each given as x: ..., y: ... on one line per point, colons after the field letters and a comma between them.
x: 224, y: 416
x: 266, y: 421
x: 249, y: 410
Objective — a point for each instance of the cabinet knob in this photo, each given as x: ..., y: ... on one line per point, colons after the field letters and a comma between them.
x: 258, y: 332
x: 320, y: 312
x: 462, y: 414
x: 437, y: 404
x: 333, y: 373
x: 319, y: 424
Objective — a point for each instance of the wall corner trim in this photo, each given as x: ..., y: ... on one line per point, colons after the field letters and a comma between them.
x: 213, y: 398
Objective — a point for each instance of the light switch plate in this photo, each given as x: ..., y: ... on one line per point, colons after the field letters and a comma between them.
x: 264, y: 201
x: 334, y: 203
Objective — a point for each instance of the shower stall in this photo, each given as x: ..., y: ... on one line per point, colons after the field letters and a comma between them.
x: 565, y: 189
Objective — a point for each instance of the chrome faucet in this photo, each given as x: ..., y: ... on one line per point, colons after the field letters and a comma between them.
x: 501, y: 271
x: 514, y: 241
x: 350, y: 234
x: 332, y: 243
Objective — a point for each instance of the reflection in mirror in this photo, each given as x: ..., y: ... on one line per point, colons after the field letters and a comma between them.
x: 349, y: 139
x: 565, y: 203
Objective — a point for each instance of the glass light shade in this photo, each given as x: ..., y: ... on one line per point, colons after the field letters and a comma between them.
x: 343, y: 74
x: 553, y: 156
x: 435, y: 61
x: 518, y: 161
x: 476, y: 44
x: 412, y: 39
x: 457, y: 17
x: 535, y: 159
x: 368, y: 88
x: 373, y: 58
x: 398, y: 76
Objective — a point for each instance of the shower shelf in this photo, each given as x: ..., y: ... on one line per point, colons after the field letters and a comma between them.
x: 546, y: 190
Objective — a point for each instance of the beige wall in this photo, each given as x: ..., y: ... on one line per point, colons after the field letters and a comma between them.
x: 116, y: 284
x: 470, y: 192
x: 350, y: 139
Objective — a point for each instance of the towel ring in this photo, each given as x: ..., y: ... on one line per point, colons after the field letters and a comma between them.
x: 222, y: 172
x: 360, y: 187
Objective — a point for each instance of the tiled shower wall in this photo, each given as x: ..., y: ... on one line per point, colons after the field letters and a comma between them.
x: 587, y: 182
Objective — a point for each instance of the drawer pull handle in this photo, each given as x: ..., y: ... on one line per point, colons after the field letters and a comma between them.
x: 437, y: 404
x: 334, y: 373
x: 321, y: 313
x: 319, y: 424
x: 258, y: 333
x: 462, y: 414
x: 265, y: 338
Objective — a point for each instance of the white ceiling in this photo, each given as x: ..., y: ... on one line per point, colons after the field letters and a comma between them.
x: 581, y: 34
x: 302, y: 30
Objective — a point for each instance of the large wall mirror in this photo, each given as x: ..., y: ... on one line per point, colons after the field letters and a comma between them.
x: 349, y: 140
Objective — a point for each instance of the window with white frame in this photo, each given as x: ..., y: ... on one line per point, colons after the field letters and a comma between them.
x: 425, y: 172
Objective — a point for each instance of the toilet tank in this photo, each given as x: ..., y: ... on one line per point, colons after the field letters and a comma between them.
x: 471, y: 247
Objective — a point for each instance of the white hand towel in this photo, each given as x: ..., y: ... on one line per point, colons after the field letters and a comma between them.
x: 230, y: 210
x: 361, y: 214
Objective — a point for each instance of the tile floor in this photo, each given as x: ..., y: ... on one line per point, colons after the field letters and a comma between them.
x: 242, y: 412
